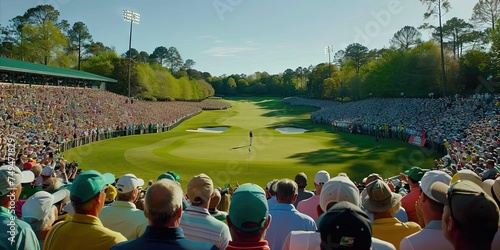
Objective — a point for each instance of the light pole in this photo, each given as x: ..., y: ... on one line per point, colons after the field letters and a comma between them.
x: 329, y: 50
x: 132, y: 17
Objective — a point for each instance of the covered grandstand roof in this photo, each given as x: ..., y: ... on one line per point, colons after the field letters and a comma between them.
x: 40, y: 69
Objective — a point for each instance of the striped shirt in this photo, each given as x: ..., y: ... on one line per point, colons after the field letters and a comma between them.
x: 199, y: 225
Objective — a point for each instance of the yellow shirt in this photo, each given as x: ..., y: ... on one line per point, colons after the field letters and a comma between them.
x: 392, y: 230
x: 81, y: 232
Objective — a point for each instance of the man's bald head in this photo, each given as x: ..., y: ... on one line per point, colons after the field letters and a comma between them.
x: 163, y: 203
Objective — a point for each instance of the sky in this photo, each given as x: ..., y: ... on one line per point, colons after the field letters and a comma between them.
x: 244, y: 36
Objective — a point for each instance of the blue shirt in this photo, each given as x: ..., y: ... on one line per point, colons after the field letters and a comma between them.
x: 284, y: 219
x: 162, y: 238
x: 21, y: 237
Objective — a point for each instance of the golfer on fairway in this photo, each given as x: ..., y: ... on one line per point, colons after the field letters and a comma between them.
x: 251, y: 137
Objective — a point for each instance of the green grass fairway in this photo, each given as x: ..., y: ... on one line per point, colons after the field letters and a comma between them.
x: 226, y: 157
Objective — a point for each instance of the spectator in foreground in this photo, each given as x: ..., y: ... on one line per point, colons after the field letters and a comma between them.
x: 345, y: 226
x: 212, y: 207
x: 470, y: 217
x: 310, y: 206
x: 15, y: 233
x: 248, y: 218
x: 163, y: 209
x: 492, y: 188
x: 196, y: 221
x: 122, y: 215
x: 285, y: 217
x: 85, y: 230
x: 337, y: 189
x: 409, y: 201
x: 431, y: 210
x: 384, y: 204
x: 271, y: 193
x: 302, y: 193
x: 39, y: 211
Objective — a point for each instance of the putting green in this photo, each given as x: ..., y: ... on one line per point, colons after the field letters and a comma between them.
x: 228, y: 158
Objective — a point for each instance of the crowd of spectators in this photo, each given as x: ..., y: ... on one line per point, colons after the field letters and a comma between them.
x: 39, y: 117
x: 441, y: 120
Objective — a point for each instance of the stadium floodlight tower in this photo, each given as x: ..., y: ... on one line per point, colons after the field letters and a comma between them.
x: 132, y: 17
x: 329, y: 50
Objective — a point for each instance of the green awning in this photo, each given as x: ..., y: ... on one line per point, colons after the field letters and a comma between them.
x: 40, y: 69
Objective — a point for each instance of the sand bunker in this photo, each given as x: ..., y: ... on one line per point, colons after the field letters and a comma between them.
x: 209, y: 130
x: 290, y: 130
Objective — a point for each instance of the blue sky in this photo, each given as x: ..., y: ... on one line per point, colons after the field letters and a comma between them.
x: 244, y: 36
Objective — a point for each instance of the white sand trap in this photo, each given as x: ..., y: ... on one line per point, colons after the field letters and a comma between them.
x: 209, y: 130
x: 290, y: 130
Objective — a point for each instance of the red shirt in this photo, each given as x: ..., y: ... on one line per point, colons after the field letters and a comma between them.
x: 409, y: 203
x: 260, y: 245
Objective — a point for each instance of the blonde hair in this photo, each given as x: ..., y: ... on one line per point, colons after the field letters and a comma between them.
x: 53, y: 184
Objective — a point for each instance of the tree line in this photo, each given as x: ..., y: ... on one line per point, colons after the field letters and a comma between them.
x: 460, y: 56
x: 39, y: 36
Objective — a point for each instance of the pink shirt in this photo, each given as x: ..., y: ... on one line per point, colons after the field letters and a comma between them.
x: 309, y: 206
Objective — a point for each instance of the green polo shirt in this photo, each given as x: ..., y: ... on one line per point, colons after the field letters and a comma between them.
x: 81, y: 232
x: 15, y: 233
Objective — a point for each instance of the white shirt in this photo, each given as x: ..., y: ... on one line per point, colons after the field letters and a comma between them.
x: 125, y: 218
x: 429, y: 238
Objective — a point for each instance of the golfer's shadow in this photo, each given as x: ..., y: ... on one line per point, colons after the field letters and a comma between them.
x: 246, y: 146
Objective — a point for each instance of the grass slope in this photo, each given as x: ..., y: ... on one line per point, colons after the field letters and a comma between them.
x: 226, y: 157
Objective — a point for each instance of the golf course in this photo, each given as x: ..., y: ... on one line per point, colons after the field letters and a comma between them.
x: 217, y: 143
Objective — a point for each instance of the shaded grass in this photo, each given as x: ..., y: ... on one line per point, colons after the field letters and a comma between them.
x: 226, y: 156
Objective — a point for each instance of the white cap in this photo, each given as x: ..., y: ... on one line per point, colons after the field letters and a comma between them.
x: 321, y: 177
x: 47, y: 171
x: 338, y: 188
x: 40, y: 204
x: 128, y: 183
x: 431, y: 177
x: 11, y: 177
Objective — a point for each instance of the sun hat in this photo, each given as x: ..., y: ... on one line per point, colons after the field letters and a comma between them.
x: 40, y: 204
x: 492, y: 188
x: 200, y: 189
x: 338, y: 188
x: 379, y: 197
x: 415, y: 173
x: 11, y: 177
x: 430, y: 178
x: 466, y: 174
x: 128, y: 183
x: 321, y: 177
x: 248, y: 211
x: 469, y: 205
x: 111, y: 193
x: 47, y: 171
x: 87, y: 185
x: 345, y: 226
